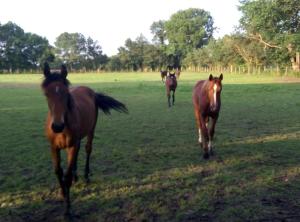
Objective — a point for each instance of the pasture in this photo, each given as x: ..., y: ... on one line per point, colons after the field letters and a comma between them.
x: 147, y: 165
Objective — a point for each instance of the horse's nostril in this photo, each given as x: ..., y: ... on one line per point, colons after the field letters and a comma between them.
x: 57, y: 128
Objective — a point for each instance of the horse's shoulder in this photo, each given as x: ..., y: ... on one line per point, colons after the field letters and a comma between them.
x: 199, y: 84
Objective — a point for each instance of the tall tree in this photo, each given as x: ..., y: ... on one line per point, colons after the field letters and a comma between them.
x: 275, y: 24
x: 159, y: 32
x: 71, y: 48
x: 94, y: 58
x: 20, y: 50
x: 189, y: 29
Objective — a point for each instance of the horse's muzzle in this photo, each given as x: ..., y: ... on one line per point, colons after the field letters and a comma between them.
x: 57, y: 128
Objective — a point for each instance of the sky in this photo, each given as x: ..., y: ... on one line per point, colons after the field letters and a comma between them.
x: 110, y: 22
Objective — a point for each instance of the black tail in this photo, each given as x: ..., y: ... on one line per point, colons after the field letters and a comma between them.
x: 106, y: 103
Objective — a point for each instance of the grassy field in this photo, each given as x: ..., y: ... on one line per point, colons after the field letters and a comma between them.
x: 147, y: 165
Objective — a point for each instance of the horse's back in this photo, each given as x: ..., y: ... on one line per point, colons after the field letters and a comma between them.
x: 84, y: 99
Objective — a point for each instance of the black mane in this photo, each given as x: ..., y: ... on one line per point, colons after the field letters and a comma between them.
x: 54, y: 77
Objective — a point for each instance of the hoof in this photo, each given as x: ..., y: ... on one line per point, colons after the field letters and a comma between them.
x: 205, y: 156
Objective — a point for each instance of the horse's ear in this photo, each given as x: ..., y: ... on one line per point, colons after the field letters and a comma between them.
x: 63, y: 71
x: 221, y: 77
x: 46, y: 70
x: 210, y: 77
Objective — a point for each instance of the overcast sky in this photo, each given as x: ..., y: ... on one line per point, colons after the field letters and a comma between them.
x: 110, y: 22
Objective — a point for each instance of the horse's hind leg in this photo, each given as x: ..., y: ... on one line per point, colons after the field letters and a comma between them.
x: 75, y: 176
x: 88, y: 149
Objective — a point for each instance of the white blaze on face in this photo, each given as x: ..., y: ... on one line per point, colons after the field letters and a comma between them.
x: 215, y: 94
x: 55, y: 118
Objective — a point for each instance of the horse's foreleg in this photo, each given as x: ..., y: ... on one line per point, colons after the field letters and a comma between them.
x: 211, y: 135
x: 88, y: 149
x: 55, y: 153
x: 173, y: 97
x: 205, y: 137
x: 71, y: 152
x: 169, y: 98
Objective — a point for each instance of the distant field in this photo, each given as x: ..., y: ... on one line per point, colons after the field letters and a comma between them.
x: 147, y: 165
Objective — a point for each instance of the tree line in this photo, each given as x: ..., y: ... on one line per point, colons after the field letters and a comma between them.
x: 268, y: 35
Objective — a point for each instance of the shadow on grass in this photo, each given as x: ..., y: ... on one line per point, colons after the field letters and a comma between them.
x: 258, y: 183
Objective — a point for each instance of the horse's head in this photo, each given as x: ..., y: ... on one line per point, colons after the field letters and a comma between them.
x: 56, y: 90
x: 214, y: 92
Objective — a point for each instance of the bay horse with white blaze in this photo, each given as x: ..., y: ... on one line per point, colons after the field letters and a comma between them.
x: 171, y: 85
x: 72, y: 116
x: 207, y: 104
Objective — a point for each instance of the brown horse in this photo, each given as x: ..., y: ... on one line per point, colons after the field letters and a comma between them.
x: 171, y: 85
x: 207, y: 103
x: 72, y: 116
x: 163, y: 75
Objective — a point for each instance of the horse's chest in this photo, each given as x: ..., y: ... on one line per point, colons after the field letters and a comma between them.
x: 62, y: 140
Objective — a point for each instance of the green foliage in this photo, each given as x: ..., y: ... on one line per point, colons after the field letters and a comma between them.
x: 114, y: 64
x: 189, y: 29
x: 79, y: 51
x: 159, y: 32
x: 273, y: 24
x: 20, y: 50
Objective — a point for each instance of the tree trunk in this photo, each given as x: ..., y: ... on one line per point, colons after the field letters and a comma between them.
x: 296, y: 62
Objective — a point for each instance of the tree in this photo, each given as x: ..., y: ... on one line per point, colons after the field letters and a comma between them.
x: 274, y: 24
x: 114, y: 63
x: 94, y: 58
x: 71, y: 48
x: 20, y: 50
x: 159, y: 32
x: 189, y: 29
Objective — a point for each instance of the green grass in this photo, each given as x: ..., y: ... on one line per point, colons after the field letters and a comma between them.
x: 147, y: 165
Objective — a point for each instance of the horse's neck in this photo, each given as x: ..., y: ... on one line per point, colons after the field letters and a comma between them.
x: 204, y: 89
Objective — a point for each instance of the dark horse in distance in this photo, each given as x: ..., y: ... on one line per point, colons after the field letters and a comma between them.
x: 207, y: 104
x: 72, y: 116
x: 171, y: 85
